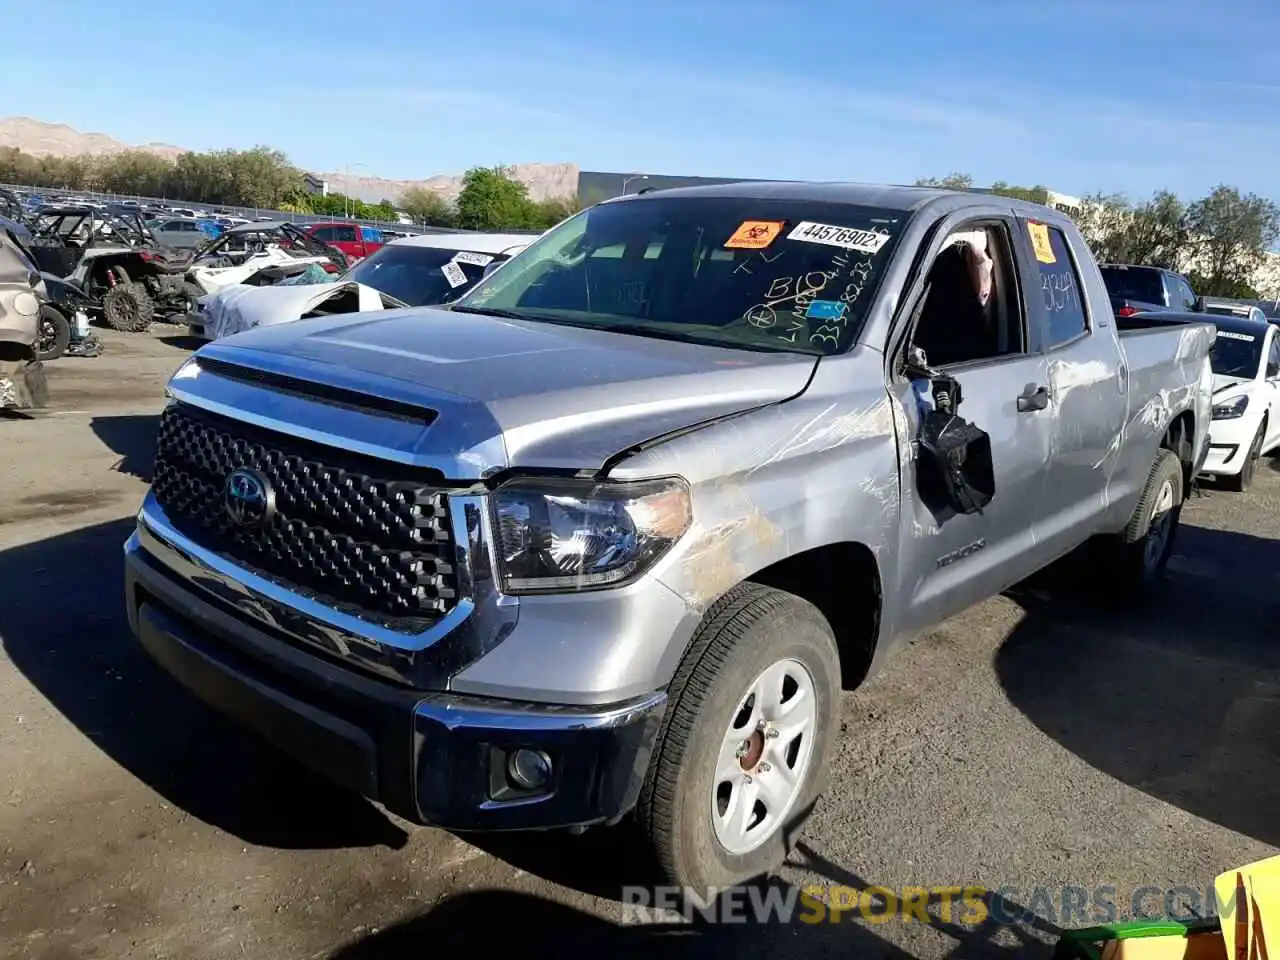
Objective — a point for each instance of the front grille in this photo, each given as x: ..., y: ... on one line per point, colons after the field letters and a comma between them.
x: 354, y: 533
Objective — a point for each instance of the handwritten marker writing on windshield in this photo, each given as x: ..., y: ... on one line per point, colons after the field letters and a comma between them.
x: 826, y: 310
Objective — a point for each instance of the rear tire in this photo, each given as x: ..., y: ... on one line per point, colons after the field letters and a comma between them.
x: 1137, y: 558
x: 753, y: 707
x: 1241, y: 481
x: 55, y: 333
x: 127, y: 307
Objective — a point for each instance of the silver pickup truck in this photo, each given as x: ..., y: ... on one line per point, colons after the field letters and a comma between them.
x: 604, y: 540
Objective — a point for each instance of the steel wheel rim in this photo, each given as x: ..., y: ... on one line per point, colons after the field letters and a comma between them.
x: 1161, y: 523
x: 48, y: 335
x: 762, y: 764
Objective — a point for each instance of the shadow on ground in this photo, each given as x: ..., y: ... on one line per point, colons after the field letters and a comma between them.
x: 64, y: 628
x: 132, y: 438
x: 499, y: 922
x: 182, y: 341
x: 1179, y: 696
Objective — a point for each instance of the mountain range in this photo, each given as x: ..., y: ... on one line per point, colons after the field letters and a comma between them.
x: 40, y: 139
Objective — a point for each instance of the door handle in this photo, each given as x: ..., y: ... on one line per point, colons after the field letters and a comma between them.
x: 1032, y: 399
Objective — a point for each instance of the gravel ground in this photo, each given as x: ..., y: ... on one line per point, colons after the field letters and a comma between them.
x: 1033, y: 744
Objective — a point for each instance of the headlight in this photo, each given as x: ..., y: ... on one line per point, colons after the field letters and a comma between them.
x: 567, y: 535
x: 1231, y: 409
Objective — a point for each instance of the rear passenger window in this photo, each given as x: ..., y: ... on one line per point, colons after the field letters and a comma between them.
x: 1059, y: 283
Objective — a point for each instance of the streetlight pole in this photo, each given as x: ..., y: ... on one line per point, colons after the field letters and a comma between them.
x: 346, y: 188
x: 634, y: 176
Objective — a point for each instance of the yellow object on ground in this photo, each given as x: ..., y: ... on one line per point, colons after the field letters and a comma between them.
x: 1248, y: 919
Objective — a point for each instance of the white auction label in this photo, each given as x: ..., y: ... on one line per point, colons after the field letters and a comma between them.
x: 850, y: 238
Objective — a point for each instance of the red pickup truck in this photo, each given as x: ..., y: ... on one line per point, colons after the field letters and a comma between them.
x: 352, y: 239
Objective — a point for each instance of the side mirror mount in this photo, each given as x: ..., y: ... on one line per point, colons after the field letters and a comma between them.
x: 1273, y: 370
x: 1199, y: 305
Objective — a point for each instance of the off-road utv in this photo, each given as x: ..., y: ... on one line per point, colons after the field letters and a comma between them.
x: 260, y: 253
x: 114, y: 263
x: 13, y: 217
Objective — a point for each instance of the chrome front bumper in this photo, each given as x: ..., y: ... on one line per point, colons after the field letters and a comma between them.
x: 431, y: 757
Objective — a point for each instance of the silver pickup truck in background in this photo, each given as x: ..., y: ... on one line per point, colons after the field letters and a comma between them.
x: 604, y: 540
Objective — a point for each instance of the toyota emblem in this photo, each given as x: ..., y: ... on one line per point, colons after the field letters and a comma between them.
x: 249, y: 498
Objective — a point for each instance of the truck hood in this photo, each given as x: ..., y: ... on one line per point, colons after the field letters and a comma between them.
x: 501, y: 393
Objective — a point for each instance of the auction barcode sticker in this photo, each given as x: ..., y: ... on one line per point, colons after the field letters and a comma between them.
x: 475, y: 259
x: 850, y: 238
x: 453, y: 273
x: 1232, y: 335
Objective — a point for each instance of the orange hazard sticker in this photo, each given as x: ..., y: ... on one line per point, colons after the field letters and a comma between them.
x: 1040, y: 241
x: 754, y: 235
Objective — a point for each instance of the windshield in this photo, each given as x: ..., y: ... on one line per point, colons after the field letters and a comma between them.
x: 1134, y: 283
x: 421, y: 276
x: 755, y: 274
x: 1236, y: 354
x: 62, y: 225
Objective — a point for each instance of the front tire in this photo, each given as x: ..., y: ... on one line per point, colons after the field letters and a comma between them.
x: 1241, y: 481
x: 55, y: 333
x: 744, y: 750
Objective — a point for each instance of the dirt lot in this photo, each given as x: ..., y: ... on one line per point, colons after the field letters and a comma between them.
x: 1036, y: 742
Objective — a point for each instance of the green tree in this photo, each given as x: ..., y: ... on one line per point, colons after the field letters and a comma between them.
x: 1231, y: 233
x: 1233, y: 289
x: 491, y: 200
x: 547, y: 213
x: 1152, y: 233
x: 1036, y: 194
x: 427, y: 207
x: 134, y: 172
x: 952, y: 181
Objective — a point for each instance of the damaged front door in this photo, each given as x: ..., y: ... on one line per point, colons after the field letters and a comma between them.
x: 960, y: 558
x: 971, y: 326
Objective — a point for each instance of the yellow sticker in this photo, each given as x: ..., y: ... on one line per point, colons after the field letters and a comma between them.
x: 1040, y: 240
x: 754, y: 235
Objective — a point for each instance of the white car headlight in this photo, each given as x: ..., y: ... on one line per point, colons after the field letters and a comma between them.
x: 561, y: 535
x: 1231, y: 409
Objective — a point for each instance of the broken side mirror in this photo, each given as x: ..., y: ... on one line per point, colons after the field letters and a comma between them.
x: 954, y: 470
x: 1199, y: 306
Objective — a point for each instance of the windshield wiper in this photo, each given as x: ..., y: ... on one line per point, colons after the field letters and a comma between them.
x: 504, y: 314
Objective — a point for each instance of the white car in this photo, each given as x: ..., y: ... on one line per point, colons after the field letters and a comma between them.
x: 417, y: 271
x: 1232, y: 308
x: 1246, y: 398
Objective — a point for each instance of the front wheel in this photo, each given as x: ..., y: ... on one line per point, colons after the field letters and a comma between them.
x: 1244, y: 479
x: 746, y: 743
x: 55, y: 333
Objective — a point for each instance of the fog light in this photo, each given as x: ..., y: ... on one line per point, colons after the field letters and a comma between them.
x: 529, y: 769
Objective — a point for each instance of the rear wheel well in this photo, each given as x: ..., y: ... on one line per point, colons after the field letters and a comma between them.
x: 1180, y: 438
x: 843, y: 581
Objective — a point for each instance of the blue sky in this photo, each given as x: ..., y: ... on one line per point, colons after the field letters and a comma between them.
x: 1128, y: 95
